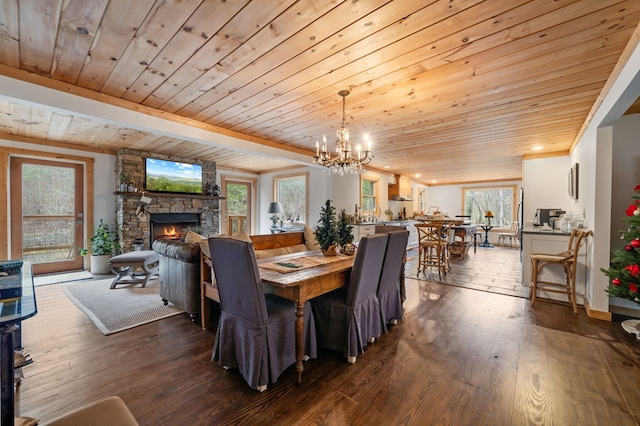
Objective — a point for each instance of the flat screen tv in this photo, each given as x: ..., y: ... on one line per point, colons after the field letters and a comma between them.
x: 173, y: 177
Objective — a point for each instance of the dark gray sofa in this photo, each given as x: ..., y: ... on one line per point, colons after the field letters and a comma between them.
x: 179, y: 275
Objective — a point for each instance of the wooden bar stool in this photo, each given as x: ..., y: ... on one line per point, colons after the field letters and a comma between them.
x: 569, y: 262
x: 432, y: 248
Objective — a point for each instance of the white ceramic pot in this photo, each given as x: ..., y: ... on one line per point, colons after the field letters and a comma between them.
x: 100, y: 264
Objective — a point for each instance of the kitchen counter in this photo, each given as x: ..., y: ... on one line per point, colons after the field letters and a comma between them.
x: 537, y: 230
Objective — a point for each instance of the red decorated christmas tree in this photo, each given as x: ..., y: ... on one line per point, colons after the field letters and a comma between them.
x: 624, y: 273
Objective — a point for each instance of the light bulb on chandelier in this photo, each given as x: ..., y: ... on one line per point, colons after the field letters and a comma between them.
x: 344, y: 162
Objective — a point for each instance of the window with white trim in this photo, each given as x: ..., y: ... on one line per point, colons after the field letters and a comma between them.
x: 292, y: 193
x: 499, y: 200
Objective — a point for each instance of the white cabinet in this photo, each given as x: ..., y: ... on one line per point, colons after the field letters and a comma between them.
x: 413, y: 233
x: 363, y: 231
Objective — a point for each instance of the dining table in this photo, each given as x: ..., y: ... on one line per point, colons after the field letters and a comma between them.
x: 312, y: 274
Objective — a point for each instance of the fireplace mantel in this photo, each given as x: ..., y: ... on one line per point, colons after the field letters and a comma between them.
x: 167, y: 195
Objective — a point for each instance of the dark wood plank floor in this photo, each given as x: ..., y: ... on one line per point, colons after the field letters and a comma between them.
x: 461, y: 357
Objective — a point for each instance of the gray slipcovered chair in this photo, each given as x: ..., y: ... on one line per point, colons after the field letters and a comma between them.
x: 389, y: 293
x: 256, y: 331
x: 348, y: 318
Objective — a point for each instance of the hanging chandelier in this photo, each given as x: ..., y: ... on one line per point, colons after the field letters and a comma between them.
x: 345, y: 162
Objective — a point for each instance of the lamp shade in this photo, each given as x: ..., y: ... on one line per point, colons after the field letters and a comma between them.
x: 275, y: 207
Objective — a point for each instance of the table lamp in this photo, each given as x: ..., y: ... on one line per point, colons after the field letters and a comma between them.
x: 488, y: 215
x: 275, y: 208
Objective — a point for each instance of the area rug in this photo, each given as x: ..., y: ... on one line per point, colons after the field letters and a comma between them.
x: 121, y: 308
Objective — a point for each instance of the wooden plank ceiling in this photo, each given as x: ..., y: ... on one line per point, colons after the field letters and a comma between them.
x: 456, y: 91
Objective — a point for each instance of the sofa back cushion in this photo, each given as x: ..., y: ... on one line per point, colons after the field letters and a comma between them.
x: 175, y: 249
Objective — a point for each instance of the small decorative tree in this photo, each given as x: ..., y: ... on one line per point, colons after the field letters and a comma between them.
x: 326, y: 232
x: 345, y: 236
x: 624, y: 273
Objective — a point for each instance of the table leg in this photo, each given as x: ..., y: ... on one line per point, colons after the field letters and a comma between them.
x: 299, y: 339
x: 7, y: 374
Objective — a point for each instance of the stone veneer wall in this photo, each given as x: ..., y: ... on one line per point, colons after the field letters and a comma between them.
x: 131, y: 163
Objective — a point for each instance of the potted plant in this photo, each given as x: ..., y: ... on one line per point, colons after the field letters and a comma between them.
x: 344, y: 234
x: 389, y: 213
x: 123, y: 182
x: 326, y: 233
x: 104, y: 243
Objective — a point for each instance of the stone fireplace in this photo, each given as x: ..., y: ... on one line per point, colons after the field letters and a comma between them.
x: 136, y: 221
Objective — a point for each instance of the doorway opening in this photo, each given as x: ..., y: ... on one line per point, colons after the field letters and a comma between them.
x: 47, y: 218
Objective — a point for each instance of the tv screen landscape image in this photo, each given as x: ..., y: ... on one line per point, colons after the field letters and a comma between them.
x: 171, y: 176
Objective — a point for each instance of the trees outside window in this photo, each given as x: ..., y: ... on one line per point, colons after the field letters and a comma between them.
x: 291, y: 191
x: 499, y: 200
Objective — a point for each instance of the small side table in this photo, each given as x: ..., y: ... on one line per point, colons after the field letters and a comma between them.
x: 486, y: 242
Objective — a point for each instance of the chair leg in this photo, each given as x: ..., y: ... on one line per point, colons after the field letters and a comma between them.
x: 534, y: 281
x: 571, y: 288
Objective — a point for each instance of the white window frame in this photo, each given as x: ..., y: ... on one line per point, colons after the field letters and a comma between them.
x: 294, y: 176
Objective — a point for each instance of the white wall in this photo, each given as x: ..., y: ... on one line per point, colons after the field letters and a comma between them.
x: 545, y: 184
x: 104, y: 177
x: 594, y: 152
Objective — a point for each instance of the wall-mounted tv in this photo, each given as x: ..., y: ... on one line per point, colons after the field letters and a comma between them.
x: 171, y: 176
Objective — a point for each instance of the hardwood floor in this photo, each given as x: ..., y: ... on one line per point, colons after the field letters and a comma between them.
x: 460, y: 356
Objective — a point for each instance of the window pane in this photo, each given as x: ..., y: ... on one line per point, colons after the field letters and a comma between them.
x: 292, y: 194
x: 367, y: 187
x: 368, y: 201
x: 237, y: 201
x: 368, y: 204
x: 478, y: 201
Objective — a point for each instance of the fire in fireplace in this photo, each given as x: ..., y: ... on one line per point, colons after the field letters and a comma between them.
x: 172, y: 225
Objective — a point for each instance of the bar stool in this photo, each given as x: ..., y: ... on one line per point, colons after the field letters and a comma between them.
x: 432, y: 248
x: 569, y: 262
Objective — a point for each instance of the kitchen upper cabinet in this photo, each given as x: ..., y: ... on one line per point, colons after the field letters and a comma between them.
x: 401, y: 190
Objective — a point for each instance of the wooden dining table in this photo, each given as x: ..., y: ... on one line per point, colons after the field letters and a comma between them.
x: 302, y: 285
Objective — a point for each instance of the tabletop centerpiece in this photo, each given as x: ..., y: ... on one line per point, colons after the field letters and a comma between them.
x: 327, y: 232
x: 345, y: 235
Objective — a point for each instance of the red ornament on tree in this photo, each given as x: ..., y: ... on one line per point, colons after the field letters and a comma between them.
x: 616, y: 281
x: 628, y: 247
x: 635, y: 243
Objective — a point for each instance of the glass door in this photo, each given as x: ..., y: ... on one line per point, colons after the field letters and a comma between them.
x: 238, y: 206
x: 47, y: 226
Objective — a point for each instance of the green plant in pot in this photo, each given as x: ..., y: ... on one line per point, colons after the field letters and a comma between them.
x: 104, y: 243
x: 326, y: 232
x: 345, y: 235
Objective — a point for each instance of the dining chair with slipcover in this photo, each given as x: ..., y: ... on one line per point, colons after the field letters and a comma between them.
x: 391, y: 278
x: 348, y: 318
x: 256, y: 331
